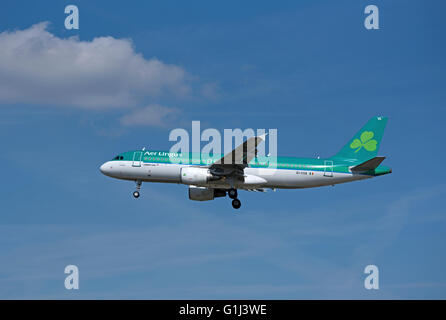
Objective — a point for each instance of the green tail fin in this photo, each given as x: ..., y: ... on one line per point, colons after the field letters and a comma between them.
x: 365, y: 144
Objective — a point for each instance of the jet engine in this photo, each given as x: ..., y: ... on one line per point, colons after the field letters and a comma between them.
x: 205, y: 194
x: 196, y: 176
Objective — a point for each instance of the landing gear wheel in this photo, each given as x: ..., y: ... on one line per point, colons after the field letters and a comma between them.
x: 236, y: 204
x: 138, y: 187
x: 232, y: 193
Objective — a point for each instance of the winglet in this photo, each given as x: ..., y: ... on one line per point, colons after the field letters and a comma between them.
x: 244, y: 153
x: 262, y: 136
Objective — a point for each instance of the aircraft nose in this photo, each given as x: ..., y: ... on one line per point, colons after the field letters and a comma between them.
x: 105, y: 168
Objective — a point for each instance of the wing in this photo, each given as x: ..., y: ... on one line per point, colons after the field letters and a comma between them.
x: 235, y: 161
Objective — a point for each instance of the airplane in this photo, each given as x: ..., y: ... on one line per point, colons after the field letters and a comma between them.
x: 241, y: 169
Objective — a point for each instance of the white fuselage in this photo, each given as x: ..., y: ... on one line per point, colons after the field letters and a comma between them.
x: 255, y: 177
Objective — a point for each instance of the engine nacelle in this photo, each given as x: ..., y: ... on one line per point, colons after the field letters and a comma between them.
x: 205, y: 194
x: 192, y: 175
x: 201, y: 193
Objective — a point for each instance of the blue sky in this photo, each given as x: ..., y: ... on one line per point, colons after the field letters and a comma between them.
x: 308, y: 68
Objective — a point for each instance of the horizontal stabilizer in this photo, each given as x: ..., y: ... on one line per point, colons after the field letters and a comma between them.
x: 368, y: 165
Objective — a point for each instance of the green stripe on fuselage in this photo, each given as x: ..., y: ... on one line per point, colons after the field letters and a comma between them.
x: 283, y: 163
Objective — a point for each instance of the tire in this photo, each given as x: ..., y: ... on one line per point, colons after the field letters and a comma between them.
x: 232, y: 193
x: 236, y: 204
x: 136, y: 194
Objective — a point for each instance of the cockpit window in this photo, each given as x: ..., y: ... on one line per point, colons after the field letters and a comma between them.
x: 116, y: 158
x: 121, y: 158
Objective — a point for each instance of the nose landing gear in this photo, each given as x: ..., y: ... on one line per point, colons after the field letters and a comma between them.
x: 138, y: 187
x: 232, y: 193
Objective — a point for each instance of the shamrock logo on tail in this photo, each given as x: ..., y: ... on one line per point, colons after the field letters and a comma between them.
x: 366, y: 141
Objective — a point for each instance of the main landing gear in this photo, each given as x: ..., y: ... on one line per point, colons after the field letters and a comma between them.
x: 236, y: 204
x: 138, y: 187
x: 232, y: 193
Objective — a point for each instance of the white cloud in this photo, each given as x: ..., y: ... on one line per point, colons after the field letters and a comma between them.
x: 40, y: 68
x: 152, y: 115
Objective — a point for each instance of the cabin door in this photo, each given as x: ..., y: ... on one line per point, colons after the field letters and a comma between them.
x: 137, y: 156
x: 328, y: 168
